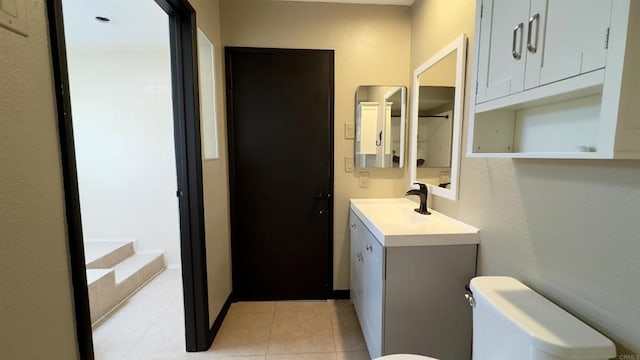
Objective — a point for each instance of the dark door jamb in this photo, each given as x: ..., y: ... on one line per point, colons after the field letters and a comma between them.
x: 182, y: 22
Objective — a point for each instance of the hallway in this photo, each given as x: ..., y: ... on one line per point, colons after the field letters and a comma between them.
x: 149, y: 326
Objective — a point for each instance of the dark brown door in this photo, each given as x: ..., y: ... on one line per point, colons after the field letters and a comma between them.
x: 280, y: 117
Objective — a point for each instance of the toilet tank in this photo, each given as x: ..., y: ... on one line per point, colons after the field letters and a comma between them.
x: 511, y: 321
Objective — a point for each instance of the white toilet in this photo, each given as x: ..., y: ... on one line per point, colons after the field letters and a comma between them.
x: 511, y: 321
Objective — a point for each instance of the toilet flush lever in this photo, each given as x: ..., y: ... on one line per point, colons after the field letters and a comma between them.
x: 470, y: 299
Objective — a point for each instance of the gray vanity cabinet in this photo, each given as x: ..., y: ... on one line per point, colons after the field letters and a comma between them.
x: 410, y: 299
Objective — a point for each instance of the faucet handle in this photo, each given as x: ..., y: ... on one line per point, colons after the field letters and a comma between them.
x: 421, y: 185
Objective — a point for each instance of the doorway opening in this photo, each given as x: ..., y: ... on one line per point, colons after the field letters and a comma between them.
x: 120, y: 88
x: 187, y: 167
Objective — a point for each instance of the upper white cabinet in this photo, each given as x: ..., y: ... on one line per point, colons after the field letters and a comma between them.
x: 556, y: 79
x: 537, y: 42
x: 501, y: 61
x: 565, y: 38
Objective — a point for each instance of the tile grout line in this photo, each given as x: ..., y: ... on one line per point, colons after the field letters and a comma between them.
x: 333, y: 314
x: 126, y: 354
x: 273, y: 320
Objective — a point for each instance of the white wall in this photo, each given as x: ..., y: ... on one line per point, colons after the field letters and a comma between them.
x: 123, y: 131
x: 36, y: 304
x: 569, y: 229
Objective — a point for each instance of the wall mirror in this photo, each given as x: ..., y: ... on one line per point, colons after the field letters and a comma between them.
x: 436, y: 120
x: 380, y: 126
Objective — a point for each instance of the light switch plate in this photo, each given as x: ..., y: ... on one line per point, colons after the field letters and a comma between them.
x: 348, y: 164
x: 349, y: 131
x: 13, y: 16
x: 364, y: 180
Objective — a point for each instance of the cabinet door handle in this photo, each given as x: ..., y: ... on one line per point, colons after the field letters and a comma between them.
x: 369, y: 248
x: 517, y: 54
x: 353, y: 225
x: 533, y: 48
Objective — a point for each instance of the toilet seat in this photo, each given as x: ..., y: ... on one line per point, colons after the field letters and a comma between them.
x: 405, y: 357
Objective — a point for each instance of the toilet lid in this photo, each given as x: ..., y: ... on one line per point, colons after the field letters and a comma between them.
x: 405, y: 357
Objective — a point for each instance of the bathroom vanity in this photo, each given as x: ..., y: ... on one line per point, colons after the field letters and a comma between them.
x: 408, y: 277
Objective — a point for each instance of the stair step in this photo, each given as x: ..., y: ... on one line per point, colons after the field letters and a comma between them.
x: 109, y: 287
x: 101, y: 285
x: 105, y: 253
x: 137, y: 262
x: 136, y: 270
x: 95, y: 276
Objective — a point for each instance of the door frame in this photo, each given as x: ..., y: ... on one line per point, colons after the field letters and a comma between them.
x: 229, y: 51
x: 186, y: 113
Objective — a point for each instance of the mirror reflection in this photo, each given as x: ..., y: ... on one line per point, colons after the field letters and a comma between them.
x: 436, y: 120
x: 380, y: 126
x: 436, y: 96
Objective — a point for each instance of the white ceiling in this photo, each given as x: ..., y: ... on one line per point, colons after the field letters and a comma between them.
x: 377, y: 2
x: 133, y: 23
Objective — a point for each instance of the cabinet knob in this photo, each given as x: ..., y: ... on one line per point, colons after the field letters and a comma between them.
x: 369, y: 248
x: 353, y: 226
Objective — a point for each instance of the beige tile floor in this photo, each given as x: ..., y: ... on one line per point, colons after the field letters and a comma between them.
x: 150, y: 326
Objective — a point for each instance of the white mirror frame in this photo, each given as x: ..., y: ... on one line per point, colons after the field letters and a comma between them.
x: 459, y: 45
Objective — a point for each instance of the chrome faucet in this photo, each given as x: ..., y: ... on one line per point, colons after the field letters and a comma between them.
x: 423, y: 192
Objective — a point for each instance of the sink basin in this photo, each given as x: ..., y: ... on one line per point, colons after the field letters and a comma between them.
x: 402, y: 215
x: 395, y: 223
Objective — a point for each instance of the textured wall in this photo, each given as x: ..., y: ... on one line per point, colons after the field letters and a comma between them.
x: 371, y: 44
x: 36, y: 309
x: 569, y: 229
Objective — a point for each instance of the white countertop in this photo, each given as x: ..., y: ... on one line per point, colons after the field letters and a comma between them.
x: 394, y: 222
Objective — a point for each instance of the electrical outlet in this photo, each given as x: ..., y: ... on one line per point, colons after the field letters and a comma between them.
x: 364, y: 180
x: 349, y: 131
x: 348, y: 164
